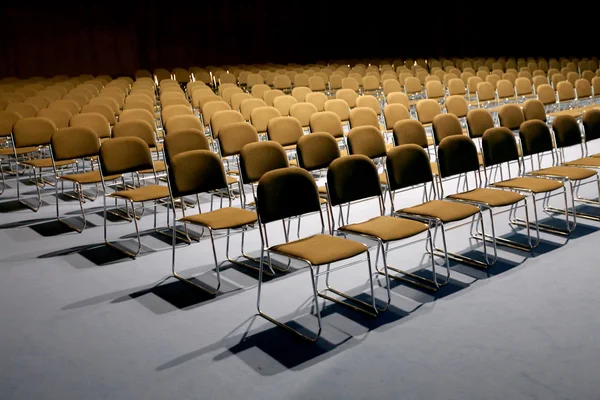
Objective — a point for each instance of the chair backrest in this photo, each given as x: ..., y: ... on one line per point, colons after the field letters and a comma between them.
x: 73, y: 143
x: 363, y: 116
x: 25, y: 110
x: 139, y: 128
x: 300, y: 93
x: 237, y: 98
x: 583, y: 88
x: 546, y: 94
x: 221, y: 118
x: 535, y: 137
x: 123, y: 155
x: 499, y: 146
x: 94, y: 121
x: 70, y: 105
x: 445, y: 125
x: 485, y: 91
x: 172, y: 111
x: 283, y: 104
x: 511, y: 116
x: 408, y: 165
x: 591, y: 124
x: 302, y: 112
x: 196, y: 171
x: 209, y: 109
x: 284, y: 130
x: 184, y: 140
x: 7, y: 120
x: 33, y: 131
x: 286, y: 193
x: 317, y: 150
x: 352, y: 178
x: 478, y: 121
x: 366, y: 140
x: 394, y: 113
x: 505, y: 89
x: 566, y: 131
x: 456, y: 87
x: 457, y: 105
x: 534, y: 109
x: 100, y: 109
x: 248, y: 105
x: 256, y: 159
x: 138, y: 114
x: 435, y: 90
x: 233, y: 137
x: 427, y: 110
x: 339, y: 107
x: 260, y: 117
x: 348, y: 95
x: 270, y: 95
x: 457, y: 154
x: 565, y: 91
x: 327, y: 121
x: 316, y: 83
x: 410, y: 131
x: 59, y: 116
x: 370, y: 102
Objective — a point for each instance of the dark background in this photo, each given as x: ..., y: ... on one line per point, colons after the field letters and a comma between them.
x: 117, y: 38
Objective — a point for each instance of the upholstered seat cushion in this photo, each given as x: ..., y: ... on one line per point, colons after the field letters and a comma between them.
x: 321, y: 249
x: 596, y: 155
x: 536, y: 185
x: 223, y: 218
x: 144, y: 193
x: 491, y: 197
x: 435, y: 170
x: 572, y: 173
x: 159, y: 166
x: 586, y: 162
x: 89, y: 177
x: 47, y: 163
x: 445, y: 211
x: 322, y: 189
x: 387, y: 228
x: 21, y: 150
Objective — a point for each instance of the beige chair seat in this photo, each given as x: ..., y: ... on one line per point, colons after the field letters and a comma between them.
x: 20, y: 151
x: 491, y: 197
x: 434, y: 168
x: 586, y: 162
x: 321, y: 249
x: 322, y: 189
x: 289, y: 147
x: 231, y: 180
x: 223, y: 218
x: 429, y: 141
x: 535, y: 185
x: 572, y: 113
x: 445, y: 211
x: 596, y: 155
x: 89, y: 177
x: 47, y: 163
x: 144, y: 193
x: 344, y: 153
x: 572, y: 173
x: 387, y: 228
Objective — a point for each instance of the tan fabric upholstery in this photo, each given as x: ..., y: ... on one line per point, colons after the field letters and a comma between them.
x: 183, y: 122
x: 363, y: 116
x: 35, y: 131
x: 47, y: 163
x: 321, y: 249
x: 100, y: 109
x: 88, y: 177
x: 7, y: 120
x: 185, y: 140
x: 534, y: 109
x: 196, y: 171
x: 511, y: 116
x: 283, y: 103
x: 427, y: 109
x: 339, y: 107
x: 222, y: 118
x: 256, y: 159
x: 261, y: 116
x: 284, y: 130
x: 144, y: 193
x: 233, y: 137
x: 59, y: 116
x: 366, y: 140
x: 352, y: 178
x: 137, y: 128
x: 536, y: 185
x: 457, y: 155
x: 387, y: 228
x: 478, y: 121
x: 457, y: 105
x: 445, y: 211
x: 317, y: 150
x: 445, y: 125
x: 317, y: 99
x: 408, y: 165
x: 572, y: 173
x: 94, y: 121
x: 585, y: 162
x: 490, y: 197
x: 125, y: 154
x: 223, y: 218
x: 70, y: 143
x: 327, y: 121
x: 302, y: 112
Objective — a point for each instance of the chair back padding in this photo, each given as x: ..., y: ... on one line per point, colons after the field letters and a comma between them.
x: 591, y: 124
x: 566, y: 131
x: 183, y: 122
x: 223, y: 118
x: 366, y: 140
x: 74, y: 142
x: 196, y: 171
x: 499, y: 146
x: 534, y: 109
x: 184, y: 140
x: 256, y: 159
x: 511, y: 116
x: 34, y: 131
x: 233, y: 137
x: 535, y: 137
x: 327, y: 121
x: 284, y: 130
x: 317, y: 150
x: 457, y: 155
x: 410, y: 131
x: 123, y: 155
x: 408, y: 165
x: 445, y: 125
x: 352, y: 178
x: 363, y: 116
x: 286, y: 193
x: 479, y: 120
x: 7, y: 121
x: 60, y: 116
x: 94, y: 121
x: 138, y: 128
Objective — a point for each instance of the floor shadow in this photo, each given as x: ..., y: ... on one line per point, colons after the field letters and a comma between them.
x: 25, y: 223
x: 55, y: 228
x: 500, y: 267
x: 106, y: 255
x: 71, y: 250
x: 422, y: 295
x: 14, y: 205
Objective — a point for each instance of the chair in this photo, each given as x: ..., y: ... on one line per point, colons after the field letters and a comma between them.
x: 144, y: 115
x: 145, y: 131
x: 259, y: 89
x: 523, y: 89
x: 355, y: 178
x: 339, y: 107
x: 123, y: 155
x: 248, y: 105
x: 69, y: 105
x: 511, y: 117
x: 486, y: 95
x: 591, y: 128
x: 329, y: 122
x: 457, y: 105
x: 478, y: 121
x: 536, y: 139
x: 534, y: 109
x: 232, y: 138
x: 59, y: 116
x: 363, y: 116
x: 287, y: 193
x: 585, y: 97
x: 100, y: 109
x: 300, y: 93
x: 76, y: 143
x: 283, y: 104
x: 223, y: 118
x: 348, y: 95
x: 93, y: 121
x: 260, y: 117
x: 566, y: 95
x: 237, y: 98
x: 201, y: 171
x: 500, y: 149
x: 211, y: 108
x: 25, y: 110
x: 394, y: 113
x: 172, y: 111
x: 505, y: 91
x: 270, y: 95
x: 28, y: 136
x: 427, y: 110
x: 317, y: 99
x: 435, y: 91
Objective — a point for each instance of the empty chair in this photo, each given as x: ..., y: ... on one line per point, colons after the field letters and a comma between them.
x: 329, y: 122
x: 25, y: 110
x: 59, y: 116
x: 339, y: 107
x: 511, y: 117
x: 534, y: 109
x: 258, y: 90
x: 222, y: 118
x: 300, y: 93
x: 100, y: 109
x: 427, y: 110
x: 175, y: 124
x: 478, y: 121
x: 435, y: 91
x: 363, y: 116
x: 505, y: 91
x: 283, y: 104
x: 348, y: 95
x: 394, y: 113
x: 260, y: 117
x: 486, y: 95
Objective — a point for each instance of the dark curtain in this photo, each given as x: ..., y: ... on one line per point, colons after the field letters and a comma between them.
x: 116, y: 38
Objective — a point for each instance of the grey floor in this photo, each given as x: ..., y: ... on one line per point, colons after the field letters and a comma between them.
x: 80, y: 321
